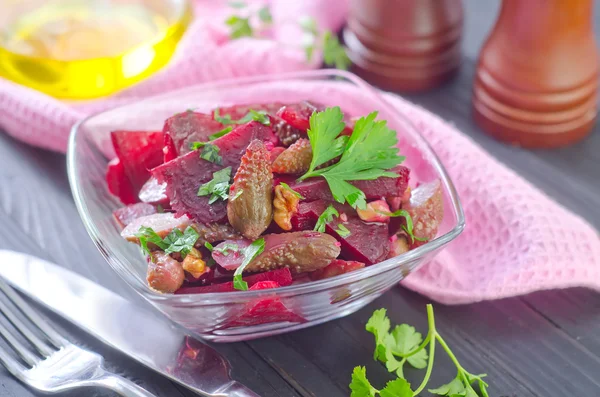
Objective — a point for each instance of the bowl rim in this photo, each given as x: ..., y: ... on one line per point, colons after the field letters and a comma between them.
x: 224, y: 297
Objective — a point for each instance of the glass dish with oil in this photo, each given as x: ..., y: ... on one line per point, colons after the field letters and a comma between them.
x: 81, y: 49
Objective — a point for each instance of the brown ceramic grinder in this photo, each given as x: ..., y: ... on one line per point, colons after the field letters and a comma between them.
x: 537, y: 75
x: 405, y: 45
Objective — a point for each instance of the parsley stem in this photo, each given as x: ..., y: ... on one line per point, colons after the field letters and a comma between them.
x: 400, y: 370
x: 420, y: 347
x: 459, y: 368
x: 432, y: 336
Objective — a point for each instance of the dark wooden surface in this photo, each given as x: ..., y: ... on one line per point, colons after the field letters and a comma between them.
x: 545, y: 344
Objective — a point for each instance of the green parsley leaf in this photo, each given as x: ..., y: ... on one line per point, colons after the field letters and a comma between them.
x: 209, y: 246
x: 408, y: 228
x: 227, y: 248
x: 265, y: 15
x: 257, y: 115
x: 159, y: 209
x: 396, y: 388
x: 449, y: 389
x: 211, y: 153
x: 360, y: 385
x: 249, y: 253
x: 197, y: 145
x: 218, y: 187
x: 343, y: 230
x: 309, y: 25
x: 379, y: 325
x: 237, y: 4
x: 287, y: 187
x: 368, y: 153
x: 237, y: 194
x: 240, y: 27
x: 148, y: 235
x: 219, y: 134
x: 181, y: 242
x: 323, y: 133
x: 334, y: 54
x: 406, y: 340
x: 325, y: 218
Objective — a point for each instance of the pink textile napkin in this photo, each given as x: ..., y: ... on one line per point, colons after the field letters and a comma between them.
x: 517, y: 240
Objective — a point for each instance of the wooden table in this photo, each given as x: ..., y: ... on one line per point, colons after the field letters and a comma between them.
x: 544, y: 344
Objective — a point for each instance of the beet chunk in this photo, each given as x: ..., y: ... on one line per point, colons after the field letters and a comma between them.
x: 236, y: 112
x: 366, y: 243
x: 118, y: 183
x: 283, y: 277
x: 317, y: 189
x: 298, y: 114
x: 185, y: 174
x: 154, y: 193
x: 184, y: 128
x: 138, y: 151
x: 125, y: 215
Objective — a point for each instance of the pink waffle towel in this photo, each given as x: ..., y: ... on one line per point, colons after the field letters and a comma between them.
x: 517, y: 240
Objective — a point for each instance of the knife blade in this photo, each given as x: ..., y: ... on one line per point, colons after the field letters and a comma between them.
x: 139, y: 333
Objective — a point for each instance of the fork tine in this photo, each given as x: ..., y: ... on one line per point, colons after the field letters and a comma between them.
x: 11, y: 364
x: 38, y: 321
x: 39, y: 344
x: 18, y: 347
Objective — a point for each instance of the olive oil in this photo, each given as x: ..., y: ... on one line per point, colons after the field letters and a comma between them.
x: 81, y: 49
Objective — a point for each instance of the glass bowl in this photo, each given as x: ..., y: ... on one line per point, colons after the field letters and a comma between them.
x: 80, y: 49
x: 242, y: 315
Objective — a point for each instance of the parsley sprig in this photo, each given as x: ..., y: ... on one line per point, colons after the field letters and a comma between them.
x: 256, y: 115
x: 325, y: 218
x: 249, y: 253
x: 404, y: 344
x: 175, y: 241
x: 409, y: 227
x: 367, y: 154
x: 218, y: 187
x: 240, y: 26
x: 334, y: 53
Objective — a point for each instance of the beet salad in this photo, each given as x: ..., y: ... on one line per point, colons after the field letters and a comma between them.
x: 265, y: 195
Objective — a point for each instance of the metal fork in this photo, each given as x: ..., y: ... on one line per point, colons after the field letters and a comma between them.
x: 58, y: 364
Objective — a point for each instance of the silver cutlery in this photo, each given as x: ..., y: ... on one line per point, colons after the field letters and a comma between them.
x: 51, y: 364
x: 161, y: 345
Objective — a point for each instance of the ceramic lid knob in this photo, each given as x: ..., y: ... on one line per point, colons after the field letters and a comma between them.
x: 407, y: 45
x: 537, y: 74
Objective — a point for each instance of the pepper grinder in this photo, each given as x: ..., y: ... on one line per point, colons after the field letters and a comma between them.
x: 537, y: 74
x: 404, y: 45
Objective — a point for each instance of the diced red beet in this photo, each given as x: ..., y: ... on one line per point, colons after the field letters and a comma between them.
x: 298, y: 114
x: 118, y: 183
x: 169, y: 150
x: 264, y: 285
x: 238, y: 111
x: 263, y: 311
x: 125, y: 215
x: 185, y: 128
x: 185, y: 174
x: 139, y: 151
x: 317, y: 189
x: 229, y: 253
x: 283, y: 277
x: 367, y: 242
x: 234, y: 144
x: 335, y: 268
x: 154, y: 193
